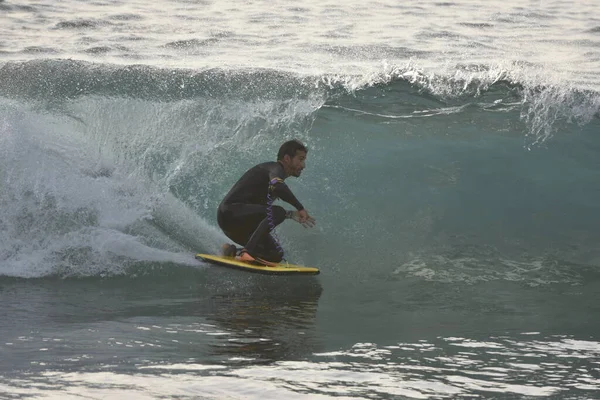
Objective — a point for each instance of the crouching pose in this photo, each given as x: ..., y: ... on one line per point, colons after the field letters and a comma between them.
x: 247, y: 214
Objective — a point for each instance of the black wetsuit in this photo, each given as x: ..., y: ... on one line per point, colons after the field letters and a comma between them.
x: 246, y: 214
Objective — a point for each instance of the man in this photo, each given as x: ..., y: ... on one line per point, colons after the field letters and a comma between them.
x: 247, y: 214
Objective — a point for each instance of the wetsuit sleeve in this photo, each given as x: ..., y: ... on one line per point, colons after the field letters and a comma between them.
x: 281, y: 190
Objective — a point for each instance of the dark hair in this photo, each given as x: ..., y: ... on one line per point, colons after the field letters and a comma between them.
x: 290, y: 148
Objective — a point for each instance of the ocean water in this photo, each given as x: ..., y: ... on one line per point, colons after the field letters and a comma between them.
x: 453, y: 169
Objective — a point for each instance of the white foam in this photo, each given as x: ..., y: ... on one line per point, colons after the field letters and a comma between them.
x: 68, y: 209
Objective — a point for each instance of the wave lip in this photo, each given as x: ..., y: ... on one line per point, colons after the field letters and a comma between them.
x: 543, y: 106
x: 66, y: 79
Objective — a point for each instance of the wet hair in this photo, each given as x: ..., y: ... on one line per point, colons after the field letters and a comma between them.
x: 290, y: 148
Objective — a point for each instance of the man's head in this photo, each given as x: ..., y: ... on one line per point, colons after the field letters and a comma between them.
x: 292, y: 155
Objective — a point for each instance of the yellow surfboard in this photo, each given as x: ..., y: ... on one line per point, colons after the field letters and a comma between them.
x: 280, y: 269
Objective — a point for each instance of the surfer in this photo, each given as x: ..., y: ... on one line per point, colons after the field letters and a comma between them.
x: 247, y: 214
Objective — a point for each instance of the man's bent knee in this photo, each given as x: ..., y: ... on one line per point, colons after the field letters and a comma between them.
x: 278, y: 214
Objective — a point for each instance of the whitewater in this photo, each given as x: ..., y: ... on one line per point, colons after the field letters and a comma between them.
x: 452, y: 168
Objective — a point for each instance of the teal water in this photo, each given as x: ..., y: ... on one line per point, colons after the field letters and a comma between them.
x: 452, y: 170
x: 216, y: 334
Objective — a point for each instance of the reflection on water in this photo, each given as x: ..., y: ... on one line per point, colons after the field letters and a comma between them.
x: 272, y: 324
x: 225, y: 334
x: 196, y: 316
x: 452, y: 367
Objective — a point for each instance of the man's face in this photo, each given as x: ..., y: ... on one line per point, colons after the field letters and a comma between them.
x: 295, y: 165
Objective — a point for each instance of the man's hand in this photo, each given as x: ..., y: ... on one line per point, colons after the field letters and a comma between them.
x: 303, y: 218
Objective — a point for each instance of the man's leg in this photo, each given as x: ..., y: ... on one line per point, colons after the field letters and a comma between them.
x: 239, y: 221
x: 249, y: 225
x: 261, y: 244
x: 269, y: 250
